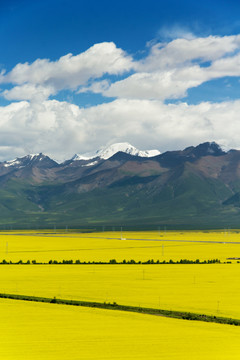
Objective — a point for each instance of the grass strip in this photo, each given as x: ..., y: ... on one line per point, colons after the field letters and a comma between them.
x: 114, y: 306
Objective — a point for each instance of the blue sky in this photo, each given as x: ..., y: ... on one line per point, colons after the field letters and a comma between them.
x: 49, y: 29
x: 157, y: 74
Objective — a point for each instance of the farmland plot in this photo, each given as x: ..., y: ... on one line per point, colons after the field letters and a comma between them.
x: 46, y: 331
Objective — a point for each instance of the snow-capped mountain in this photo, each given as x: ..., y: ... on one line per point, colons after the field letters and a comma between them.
x: 109, y: 151
x: 19, y: 161
x: 28, y: 160
x: 114, y: 184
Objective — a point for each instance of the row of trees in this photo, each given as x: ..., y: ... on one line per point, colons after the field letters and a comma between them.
x: 111, y: 262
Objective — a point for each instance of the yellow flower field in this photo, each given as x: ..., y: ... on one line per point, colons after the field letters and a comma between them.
x: 207, y: 289
x: 105, y: 246
x: 45, y: 331
x: 210, y: 289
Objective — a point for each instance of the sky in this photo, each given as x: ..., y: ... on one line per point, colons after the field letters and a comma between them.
x: 76, y: 76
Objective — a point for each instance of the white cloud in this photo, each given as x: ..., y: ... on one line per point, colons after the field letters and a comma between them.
x: 60, y: 129
x: 167, y: 72
x: 171, y: 84
x: 68, y: 72
x: 152, y: 124
x: 96, y: 87
x: 171, y: 69
x: 181, y: 52
x: 51, y: 127
x: 29, y: 92
x: 138, y: 115
x: 228, y: 66
x: 174, y: 32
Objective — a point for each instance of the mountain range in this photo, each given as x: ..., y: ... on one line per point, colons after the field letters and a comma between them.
x: 198, y: 187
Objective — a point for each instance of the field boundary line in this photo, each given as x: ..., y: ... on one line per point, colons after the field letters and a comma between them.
x: 137, y: 309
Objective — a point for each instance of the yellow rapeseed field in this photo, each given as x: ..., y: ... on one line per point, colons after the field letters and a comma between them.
x: 208, y: 289
x: 141, y: 246
x: 211, y: 289
x: 45, y: 331
x: 48, y: 331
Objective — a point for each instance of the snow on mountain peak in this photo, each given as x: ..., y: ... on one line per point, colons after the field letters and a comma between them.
x: 109, y: 151
x: 19, y: 162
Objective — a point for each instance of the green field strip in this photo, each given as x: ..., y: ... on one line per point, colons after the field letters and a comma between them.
x: 136, y: 309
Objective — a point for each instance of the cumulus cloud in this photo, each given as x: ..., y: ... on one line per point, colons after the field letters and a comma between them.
x: 167, y: 72
x: 181, y: 52
x: 171, y: 69
x: 166, y: 126
x: 29, y: 92
x: 171, y: 84
x: 47, y: 77
x: 138, y: 115
x: 52, y: 127
x: 60, y: 129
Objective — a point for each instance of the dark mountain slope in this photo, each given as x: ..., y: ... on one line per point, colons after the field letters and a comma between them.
x: 196, y: 187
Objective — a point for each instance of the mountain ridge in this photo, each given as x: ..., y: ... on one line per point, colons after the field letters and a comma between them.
x: 197, y: 187
x: 110, y: 151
